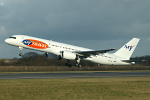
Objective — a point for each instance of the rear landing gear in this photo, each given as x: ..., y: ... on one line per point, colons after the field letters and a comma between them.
x: 78, y: 62
x: 68, y: 63
x: 20, y: 48
x: 78, y: 65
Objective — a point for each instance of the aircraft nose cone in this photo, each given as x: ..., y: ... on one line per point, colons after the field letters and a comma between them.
x: 7, y: 41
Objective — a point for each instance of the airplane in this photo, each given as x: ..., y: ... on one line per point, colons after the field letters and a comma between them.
x: 57, y: 50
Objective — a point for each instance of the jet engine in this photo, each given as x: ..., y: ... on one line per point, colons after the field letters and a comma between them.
x: 68, y: 55
x: 63, y: 54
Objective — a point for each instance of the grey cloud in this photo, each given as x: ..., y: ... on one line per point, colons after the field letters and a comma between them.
x: 77, y: 20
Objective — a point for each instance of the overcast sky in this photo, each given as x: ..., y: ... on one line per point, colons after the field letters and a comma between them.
x: 94, y: 24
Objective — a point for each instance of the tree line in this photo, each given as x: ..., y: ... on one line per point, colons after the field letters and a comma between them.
x: 35, y: 59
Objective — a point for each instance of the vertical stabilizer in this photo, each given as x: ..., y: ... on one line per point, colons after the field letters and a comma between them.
x: 127, y: 50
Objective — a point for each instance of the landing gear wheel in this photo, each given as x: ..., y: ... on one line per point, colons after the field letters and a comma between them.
x: 66, y: 64
x: 20, y: 48
x: 69, y: 65
x: 20, y: 54
x: 79, y: 66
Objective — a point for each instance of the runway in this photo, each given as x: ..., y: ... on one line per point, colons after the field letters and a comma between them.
x: 73, y: 75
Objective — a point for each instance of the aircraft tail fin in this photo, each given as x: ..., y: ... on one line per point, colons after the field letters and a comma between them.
x: 127, y: 50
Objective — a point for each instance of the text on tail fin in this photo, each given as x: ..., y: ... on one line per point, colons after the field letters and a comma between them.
x: 126, y: 51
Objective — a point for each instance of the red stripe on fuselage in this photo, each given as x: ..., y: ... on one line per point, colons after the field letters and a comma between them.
x: 37, y: 44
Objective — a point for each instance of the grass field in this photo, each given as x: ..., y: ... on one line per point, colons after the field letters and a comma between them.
x: 127, y: 88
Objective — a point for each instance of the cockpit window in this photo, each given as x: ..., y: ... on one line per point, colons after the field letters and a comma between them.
x: 13, y: 37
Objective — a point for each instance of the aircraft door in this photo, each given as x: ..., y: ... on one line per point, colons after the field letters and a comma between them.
x: 50, y: 44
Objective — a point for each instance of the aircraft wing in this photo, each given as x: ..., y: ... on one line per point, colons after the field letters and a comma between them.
x: 89, y: 53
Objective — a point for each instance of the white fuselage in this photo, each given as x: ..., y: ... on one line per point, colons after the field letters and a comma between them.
x: 55, y: 48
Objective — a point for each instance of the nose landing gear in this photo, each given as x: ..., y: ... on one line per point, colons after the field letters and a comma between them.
x: 20, y: 48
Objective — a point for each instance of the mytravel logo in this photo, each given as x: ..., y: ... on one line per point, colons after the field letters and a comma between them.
x: 35, y: 44
x: 128, y: 47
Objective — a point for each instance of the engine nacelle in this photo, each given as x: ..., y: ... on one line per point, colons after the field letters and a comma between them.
x: 63, y: 54
x: 68, y: 55
x: 132, y: 63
